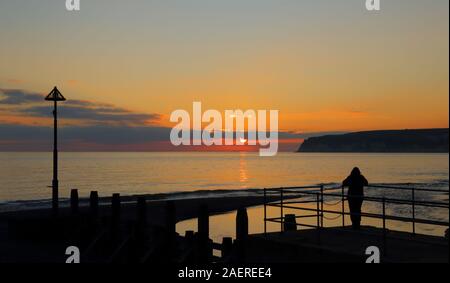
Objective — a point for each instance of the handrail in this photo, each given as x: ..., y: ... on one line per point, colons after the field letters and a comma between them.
x: 320, y: 192
x: 369, y: 186
x: 375, y: 199
x: 389, y: 200
x: 407, y: 188
x: 371, y: 215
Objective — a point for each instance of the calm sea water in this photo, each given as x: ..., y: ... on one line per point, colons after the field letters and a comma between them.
x: 26, y: 176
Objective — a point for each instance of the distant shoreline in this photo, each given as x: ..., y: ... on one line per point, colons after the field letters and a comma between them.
x: 384, y: 141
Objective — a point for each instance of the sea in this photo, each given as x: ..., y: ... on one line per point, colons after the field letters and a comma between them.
x: 25, y: 177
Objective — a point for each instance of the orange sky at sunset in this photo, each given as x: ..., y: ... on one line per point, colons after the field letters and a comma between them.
x: 327, y: 66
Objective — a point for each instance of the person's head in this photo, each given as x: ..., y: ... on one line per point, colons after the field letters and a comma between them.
x: 355, y: 172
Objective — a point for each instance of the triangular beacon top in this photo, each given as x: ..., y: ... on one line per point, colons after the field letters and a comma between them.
x: 55, y: 95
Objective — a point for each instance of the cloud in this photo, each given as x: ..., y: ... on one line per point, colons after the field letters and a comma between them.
x: 19, y: 97
x: 89, y: 134
x: 31, y: 104
x: 99, y: 126
x: 99, y: 115
x: 95, y: 137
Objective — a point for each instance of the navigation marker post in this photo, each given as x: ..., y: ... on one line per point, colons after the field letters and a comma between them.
x: 55, y: 96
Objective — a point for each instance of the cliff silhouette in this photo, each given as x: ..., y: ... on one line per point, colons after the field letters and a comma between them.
x: 394, y: 141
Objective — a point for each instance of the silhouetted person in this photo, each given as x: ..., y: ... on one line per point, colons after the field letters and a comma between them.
x: 355, y: 183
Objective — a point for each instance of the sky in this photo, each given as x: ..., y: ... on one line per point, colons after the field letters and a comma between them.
x: 328, y: 66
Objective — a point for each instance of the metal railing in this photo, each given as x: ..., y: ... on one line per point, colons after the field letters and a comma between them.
x: 292, y: 197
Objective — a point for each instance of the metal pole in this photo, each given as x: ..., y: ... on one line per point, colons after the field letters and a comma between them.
x: 318, y: 210
x: 55, y: 160
x: 414, y: 210
x: 384, y: 224
x: 321, y: 205
x: 265, y: 213
x: 281, y: 209
x: 343, y: 207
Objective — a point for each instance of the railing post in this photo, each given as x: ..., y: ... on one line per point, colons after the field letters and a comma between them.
x: 321, y: 206
x: 93, y: 204
x: 171, y: 219
x: 414, y: 210
x: 265, y: 213
x: 318, y: 209
x: 281, y: 210
x: 343, y: 206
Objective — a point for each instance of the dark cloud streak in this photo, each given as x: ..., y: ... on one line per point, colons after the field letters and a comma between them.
x: 32, y: 105
x: 110, y: 115
x: 19, y: 97
x: 92, y: 134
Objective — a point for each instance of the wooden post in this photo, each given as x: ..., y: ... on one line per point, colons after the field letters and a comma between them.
x: 75, y: 226
x: 241, y: 224
x: 115, y: 204
x: 171, y: 222
x: 74, y: 201
x: 93, y: 203
x: 203, y: 222
x: 141, y: 220
x: 141, y: 210
x: 204, y: 248
x: 189, y: 235
x: 93, y: 212
x: 171, y: 218
x: 241, y: 233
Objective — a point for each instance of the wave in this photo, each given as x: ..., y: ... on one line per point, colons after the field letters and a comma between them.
x: 65, y: 202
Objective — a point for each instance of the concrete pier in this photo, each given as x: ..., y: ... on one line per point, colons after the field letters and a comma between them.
x: 343, y: 244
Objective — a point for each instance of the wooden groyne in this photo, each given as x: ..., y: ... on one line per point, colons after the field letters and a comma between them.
x: 132, y: 231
